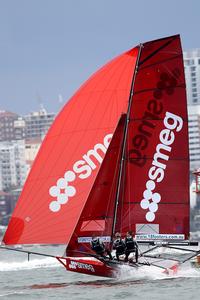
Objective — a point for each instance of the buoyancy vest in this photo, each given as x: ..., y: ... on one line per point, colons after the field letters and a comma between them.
x: 119, y: 245
x: 97, y: 245
x: 130, y: 243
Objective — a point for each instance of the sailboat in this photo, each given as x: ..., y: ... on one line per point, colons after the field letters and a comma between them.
x: 115, y: 159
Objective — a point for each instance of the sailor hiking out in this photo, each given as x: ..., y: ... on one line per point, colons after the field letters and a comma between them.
x: 131, y: 246
x: 119, y: 245
x: 99, y: 247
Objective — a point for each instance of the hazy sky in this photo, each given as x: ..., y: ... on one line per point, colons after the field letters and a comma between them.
x: 49, y: 47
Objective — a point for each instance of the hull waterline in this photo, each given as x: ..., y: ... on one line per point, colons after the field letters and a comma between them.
x: 109, y: 268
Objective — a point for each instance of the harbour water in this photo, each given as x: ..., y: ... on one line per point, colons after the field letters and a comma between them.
x: 44, y: 278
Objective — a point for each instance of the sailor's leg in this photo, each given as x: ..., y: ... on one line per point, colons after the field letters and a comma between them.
x: 109, y: 253
x: 126, y: 255
x: 136, y: 255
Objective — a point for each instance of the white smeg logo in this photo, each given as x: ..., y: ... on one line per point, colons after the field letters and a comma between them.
x: 83, y: 169
x: 62, y: 191
x: 79, y: 265
x: 153, y: 197
x: 157, y: 171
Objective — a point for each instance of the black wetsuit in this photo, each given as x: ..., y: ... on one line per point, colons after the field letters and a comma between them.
x: 119, y: 246
x: 131, y: 246
x: 100, y: 248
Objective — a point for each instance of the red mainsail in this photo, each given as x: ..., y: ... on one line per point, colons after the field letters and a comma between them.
x: 154, y: 196
x: 70, y: 156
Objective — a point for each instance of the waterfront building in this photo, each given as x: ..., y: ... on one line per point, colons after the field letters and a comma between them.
x: 13, y: 169
x: 194, y: 136
x: 4, y: 207
x: 32, y: 147
x: 12, y: 126
x: 38, y: 123
x: 192, y: 75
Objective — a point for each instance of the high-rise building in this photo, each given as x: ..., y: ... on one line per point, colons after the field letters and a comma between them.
x: 4, y: 206
x: 12, y: 126
x: 38, y: 123
x: 8, y: 201
x: 192, y: 75
x: 13, y: 168
x: 194, y: 136
x: 31, y: 149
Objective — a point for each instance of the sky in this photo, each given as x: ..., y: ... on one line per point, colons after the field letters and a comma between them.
x: 48, y: 48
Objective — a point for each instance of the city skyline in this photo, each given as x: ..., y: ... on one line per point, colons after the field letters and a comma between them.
x: 49, y: 50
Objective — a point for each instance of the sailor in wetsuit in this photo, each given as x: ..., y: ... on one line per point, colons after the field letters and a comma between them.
x: 98, y: 246
x: 119, y: 245
x: 131, y: 246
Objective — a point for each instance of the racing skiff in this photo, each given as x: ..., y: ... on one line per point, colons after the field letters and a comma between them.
x: 115, y: 159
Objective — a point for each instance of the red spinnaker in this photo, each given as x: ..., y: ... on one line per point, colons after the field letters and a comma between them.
x: 68, y: 161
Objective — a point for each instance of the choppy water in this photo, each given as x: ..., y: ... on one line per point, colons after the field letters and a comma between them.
x: 44, y: 278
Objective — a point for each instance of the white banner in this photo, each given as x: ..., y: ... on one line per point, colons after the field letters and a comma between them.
x: 154, y: 236
x: 87, y: 239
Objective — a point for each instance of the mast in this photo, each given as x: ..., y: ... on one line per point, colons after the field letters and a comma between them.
x: 122, y: 161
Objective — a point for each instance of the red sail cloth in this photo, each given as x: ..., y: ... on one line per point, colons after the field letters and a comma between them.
x: 156, y: 189
x: 97, y: 215
x: 156, y: 165
x: 62, y: 198
x: 69, y: 159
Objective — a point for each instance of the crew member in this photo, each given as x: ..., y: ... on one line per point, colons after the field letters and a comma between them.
x: 131, y: 246
x: 99, y: 247
x: 119, y: 245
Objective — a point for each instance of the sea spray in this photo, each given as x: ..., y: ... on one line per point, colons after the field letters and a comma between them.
x: 26, y: 265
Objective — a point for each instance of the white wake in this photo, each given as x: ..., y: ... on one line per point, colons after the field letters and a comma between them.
x: 154, y: 273
x: 26, y: 265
